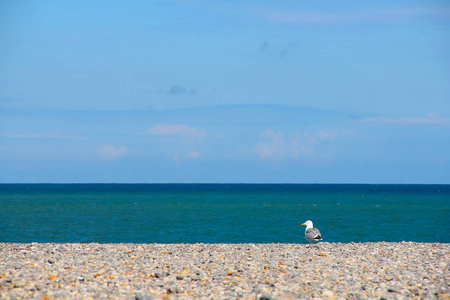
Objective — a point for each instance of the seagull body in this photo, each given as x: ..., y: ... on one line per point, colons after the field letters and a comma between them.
x: 311, y: 233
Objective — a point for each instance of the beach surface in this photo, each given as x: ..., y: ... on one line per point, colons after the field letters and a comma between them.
x: 379, y: 270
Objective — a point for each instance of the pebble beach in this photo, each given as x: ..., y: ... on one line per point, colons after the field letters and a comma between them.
x: 379, y: 270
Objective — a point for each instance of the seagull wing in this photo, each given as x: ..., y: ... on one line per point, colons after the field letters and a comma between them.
x: 313, y: 234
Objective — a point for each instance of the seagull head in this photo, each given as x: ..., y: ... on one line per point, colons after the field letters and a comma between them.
x: 308, y: 224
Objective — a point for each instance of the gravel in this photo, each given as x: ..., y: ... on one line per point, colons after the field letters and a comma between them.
x: 225, y: 271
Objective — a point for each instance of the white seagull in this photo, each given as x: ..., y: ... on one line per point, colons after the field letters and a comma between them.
x: 311, y: 233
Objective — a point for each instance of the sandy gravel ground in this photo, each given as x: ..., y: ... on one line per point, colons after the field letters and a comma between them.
x: 225, y: 271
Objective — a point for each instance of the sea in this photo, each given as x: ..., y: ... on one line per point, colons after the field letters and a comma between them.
x: 222, y: 213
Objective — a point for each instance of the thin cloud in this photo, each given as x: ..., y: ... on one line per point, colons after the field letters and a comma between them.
x: 178, y: 89
x: 275, y: 147
x: 288, y: 48
x: 42, y: 136
x: 272, y: 146
x: 381, y: 16
x: 111, y: 152
x: 326, y: 135
x: 302, y: 145
x: 264, y: 45
x: 193, y: 155
x: 429, y: 119
x: 175, y: 129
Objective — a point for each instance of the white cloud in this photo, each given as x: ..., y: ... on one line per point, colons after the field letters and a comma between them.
x: 302, y: 145
x: 194, y: 154
x: 175, y: 129
x: 326, y: 135
x: 429, y: 119
x: 274, y: 146
x: 111, y: 152
x: 190, y: 156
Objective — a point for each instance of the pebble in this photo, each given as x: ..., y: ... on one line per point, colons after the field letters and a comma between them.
x: 225, y: 271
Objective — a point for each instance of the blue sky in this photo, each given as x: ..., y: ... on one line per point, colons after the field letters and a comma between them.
x: 225, y: 91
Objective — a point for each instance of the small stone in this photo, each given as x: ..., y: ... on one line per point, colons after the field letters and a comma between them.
x: 328, y: 294
x: 443, y: 288
x: 385, y: 296
x: 19, y: 283
x: 19, y: 292
x: 29, y: 286
x: 264, y: 296
x: 142, y: 295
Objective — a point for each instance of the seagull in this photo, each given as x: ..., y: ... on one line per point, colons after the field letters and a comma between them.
x: 311, y: 233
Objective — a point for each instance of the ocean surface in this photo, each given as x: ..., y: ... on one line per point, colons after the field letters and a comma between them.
x: 222, y: 213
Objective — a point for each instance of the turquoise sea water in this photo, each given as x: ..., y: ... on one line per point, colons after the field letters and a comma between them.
x: 222, y: 213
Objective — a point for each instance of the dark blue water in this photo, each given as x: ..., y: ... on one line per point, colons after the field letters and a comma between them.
x: 222, y: 213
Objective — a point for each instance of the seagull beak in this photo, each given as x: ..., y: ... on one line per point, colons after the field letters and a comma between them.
x: 303, y: 224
